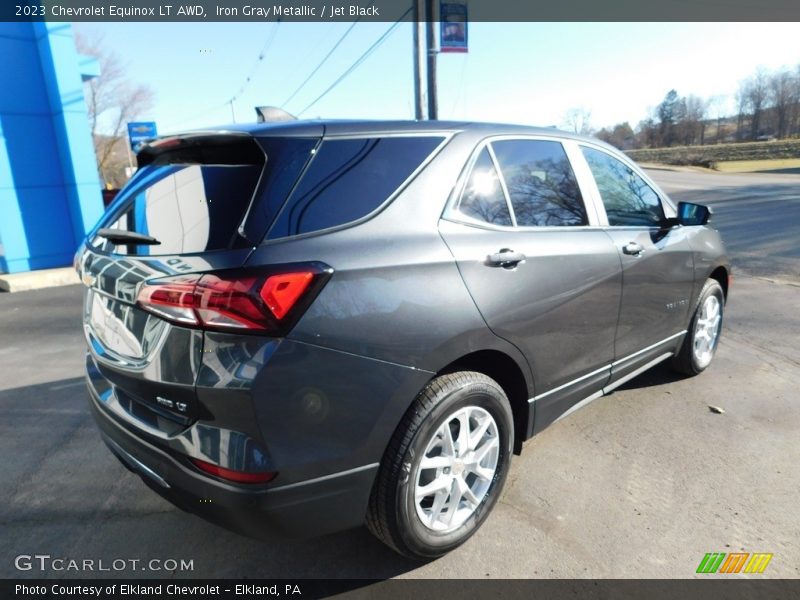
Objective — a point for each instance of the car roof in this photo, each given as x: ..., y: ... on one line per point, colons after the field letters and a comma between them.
x: 330, y: 127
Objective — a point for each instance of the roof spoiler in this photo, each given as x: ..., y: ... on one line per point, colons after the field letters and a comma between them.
x: 216, y: 147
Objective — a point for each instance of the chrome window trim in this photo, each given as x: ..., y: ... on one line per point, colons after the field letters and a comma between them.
x: 502, y: 179
x: 452, y: 213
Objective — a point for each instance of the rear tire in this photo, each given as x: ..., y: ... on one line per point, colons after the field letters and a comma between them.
x: 445, y: 466
x: 700, y: 343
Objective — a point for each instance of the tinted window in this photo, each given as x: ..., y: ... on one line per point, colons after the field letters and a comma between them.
x: 483, y: 198
x: 627, y: 198
x: 540, y: 183
x: 348, y: 179
x: 186, y: 207
x: 286, y: 158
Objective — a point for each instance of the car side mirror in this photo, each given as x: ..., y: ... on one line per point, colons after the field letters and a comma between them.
x: 693, y: 214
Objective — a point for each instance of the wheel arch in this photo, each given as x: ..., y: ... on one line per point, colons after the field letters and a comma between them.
x: 722, y: 275
x: 508, y: 374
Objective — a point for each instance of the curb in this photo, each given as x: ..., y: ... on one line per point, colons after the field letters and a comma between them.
x: 36, y: 280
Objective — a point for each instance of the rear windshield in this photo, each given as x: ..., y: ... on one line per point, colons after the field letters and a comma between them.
x: 190, y: 199
x: 350, y: 178
x: 197, y: 196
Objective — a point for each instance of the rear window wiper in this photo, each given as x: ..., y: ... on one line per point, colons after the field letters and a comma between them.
x: 127, y: 237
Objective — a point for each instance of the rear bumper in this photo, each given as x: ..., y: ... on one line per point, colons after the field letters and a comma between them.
x: 303, y: 509
x: 319, y: 418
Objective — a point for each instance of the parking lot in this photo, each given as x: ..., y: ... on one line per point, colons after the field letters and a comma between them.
x: 641, y: 483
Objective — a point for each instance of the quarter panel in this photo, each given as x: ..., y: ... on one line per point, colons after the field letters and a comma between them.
x: 322, y: 411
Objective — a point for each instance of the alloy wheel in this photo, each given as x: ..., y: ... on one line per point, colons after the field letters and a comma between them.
x: 706, y: 330
x: 457, y: 469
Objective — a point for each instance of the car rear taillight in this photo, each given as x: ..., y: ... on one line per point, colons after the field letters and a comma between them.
x: 280, y: 292
x: 231, y: 475
x: 240, y: 300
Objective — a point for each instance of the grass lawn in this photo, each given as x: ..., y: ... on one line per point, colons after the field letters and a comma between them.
x: 752, y: 166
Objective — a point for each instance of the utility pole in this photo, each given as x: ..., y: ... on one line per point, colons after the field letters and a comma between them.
x: 417, y: 24
x: 233, y: 112
x: 433, y: 109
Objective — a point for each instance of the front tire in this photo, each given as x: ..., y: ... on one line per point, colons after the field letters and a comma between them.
x: 445, y: 466
x: 700, y: 344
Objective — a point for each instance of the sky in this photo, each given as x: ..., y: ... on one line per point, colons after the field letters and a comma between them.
x: 528, y: 73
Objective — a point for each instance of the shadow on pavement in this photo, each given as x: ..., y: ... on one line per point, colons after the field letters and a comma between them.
x: 661, y: 374
x: 789, y: 171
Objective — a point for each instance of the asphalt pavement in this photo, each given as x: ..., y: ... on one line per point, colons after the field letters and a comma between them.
x: 641, y: 483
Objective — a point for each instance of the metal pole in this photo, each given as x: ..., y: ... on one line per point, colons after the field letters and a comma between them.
x: 433, y: 109
x: 233, y: 112
x: 417, y: 24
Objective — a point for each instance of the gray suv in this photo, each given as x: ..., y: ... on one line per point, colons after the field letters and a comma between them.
x: 307, y: 326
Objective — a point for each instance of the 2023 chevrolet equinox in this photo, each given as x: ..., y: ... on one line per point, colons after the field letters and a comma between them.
x: 307, y: 326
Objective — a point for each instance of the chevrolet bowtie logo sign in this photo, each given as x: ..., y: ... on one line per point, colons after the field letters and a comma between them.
x: 140, y: 132
x: 734, y: 562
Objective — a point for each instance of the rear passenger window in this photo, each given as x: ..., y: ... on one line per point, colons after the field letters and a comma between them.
x: 627, y: 198
x: 348, y: 179
x: 483, y: 198
x: 540, y: 182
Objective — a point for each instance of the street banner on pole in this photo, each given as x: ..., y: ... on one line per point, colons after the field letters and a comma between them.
x: 453, y: 26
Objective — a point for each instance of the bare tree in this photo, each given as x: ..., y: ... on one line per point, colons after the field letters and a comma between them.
x: 577, y: 121
x: 716, y: 111
x: 783, y: 91
x: 753, y: 98
x: 694, y: 124
x: 112, y: 101
x: 671, y: 113
x: 741, y: 108
x: 620, y: 136
x: 794, y: 111
x: 647, y: 132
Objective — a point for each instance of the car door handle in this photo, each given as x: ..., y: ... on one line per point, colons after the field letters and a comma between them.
x: 633, y: 249
x: 505, y: 258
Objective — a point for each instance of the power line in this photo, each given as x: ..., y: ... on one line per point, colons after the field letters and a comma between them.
x: 358, y: 61
x: 322, y: 62
x: 199, y: 115
x: 267, y: 44
x: 259, y: 59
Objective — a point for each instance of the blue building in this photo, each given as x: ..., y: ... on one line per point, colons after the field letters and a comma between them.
x: 49, y: 187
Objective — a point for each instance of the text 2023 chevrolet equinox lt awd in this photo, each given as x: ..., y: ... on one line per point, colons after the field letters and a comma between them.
x: 308, y: 326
